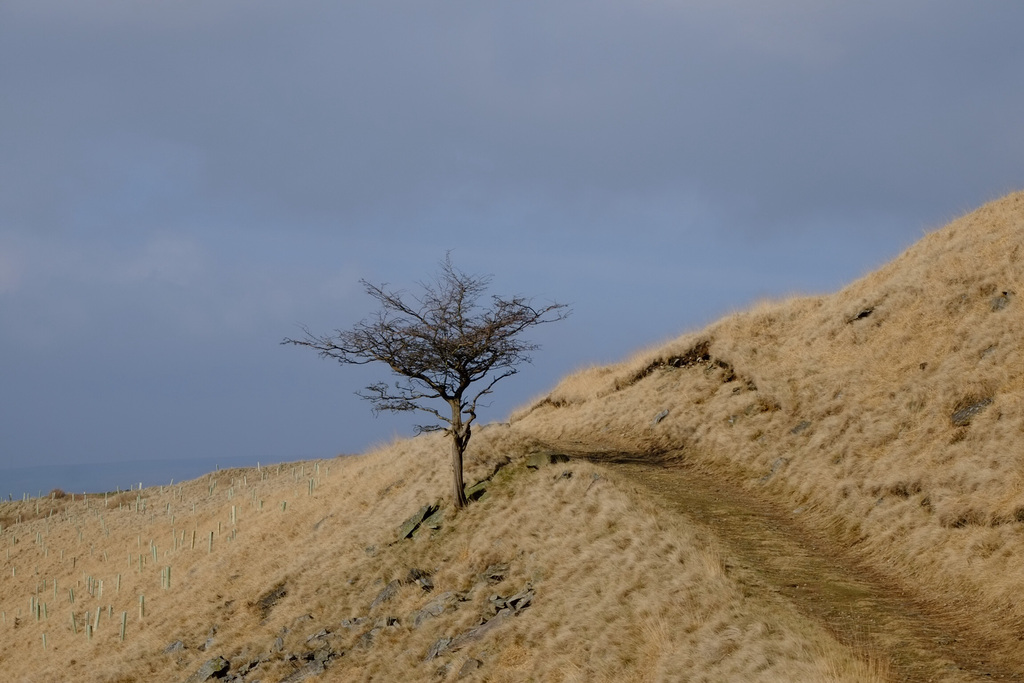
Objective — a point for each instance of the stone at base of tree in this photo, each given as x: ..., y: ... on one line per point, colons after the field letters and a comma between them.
x: 476, y: 491
x: 213, y: 669
x: 433, y: 522
x: 410, y: 525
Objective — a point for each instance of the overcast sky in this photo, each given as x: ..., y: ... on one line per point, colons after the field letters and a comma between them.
x: 183, y: 183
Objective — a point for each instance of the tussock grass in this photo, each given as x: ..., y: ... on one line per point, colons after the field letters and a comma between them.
x: 890, y: 412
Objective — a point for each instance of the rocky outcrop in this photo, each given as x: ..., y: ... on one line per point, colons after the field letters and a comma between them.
x: 214, y: 669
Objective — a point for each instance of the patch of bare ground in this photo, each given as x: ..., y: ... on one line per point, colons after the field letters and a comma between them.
x: 770, y: 552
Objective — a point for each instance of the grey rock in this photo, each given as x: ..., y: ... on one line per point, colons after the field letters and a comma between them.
x: 420, y: 578
x: 176, y: 646
x: 659, y: 417
x: 308, y: 670
x: 353, y: 622
x: 469, y: 667
x: 477, y: 490
x: 434, y: 521
x: 1000, y: 302
x: 538, y: 460
x: 803, y: 425
x: 366, y: 640
x: 445, y: 602
x: 410, y: 525
x: 863, y: 313
x: 778, y: 464
x: 439, y: 647
x: 389, y: 591
x: 474, y: 634
x: 516, y: 603
x: 213, y: 669
x: 266, y: 602
x: 496, y: 573
x: 963, y: 416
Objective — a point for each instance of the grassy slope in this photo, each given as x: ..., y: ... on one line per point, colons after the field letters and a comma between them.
x: 623, y: 591
x: 845, y: 417
x: 843, y: 406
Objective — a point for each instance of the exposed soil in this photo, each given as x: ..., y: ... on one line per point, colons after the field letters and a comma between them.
x: 769, y: 551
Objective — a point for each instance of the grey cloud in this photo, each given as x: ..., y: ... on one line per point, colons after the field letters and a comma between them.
x: 182, y: 183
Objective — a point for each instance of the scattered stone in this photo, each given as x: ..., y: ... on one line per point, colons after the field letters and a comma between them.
x: 308, y: 670
x: 316, y: 527
x: 566, y: 474
x: 366, y: 640
x: 214, y: 668
x: 496, y: 573
x: 776, y: 466
x: 433, y: 522
x: 659, y: 417
x: 516, y: 603
x: 410, y: 525
x: 266, y: 602
x: 444, y: 602
x: 474, y: 634
x: 386, y: 622
x: 209, y: 639
x: 438, y: 648
x: 370, y: 550
x: 538, y: 460
x: 1000, y: 302
x: 863, y: 313
x: 176, y: 646
x: 420, y: 578
x: 469, y: 667
x: 477, y: 490
x: 389, y: 591
x: 804, y: 424
x: 319, y: 635
x: 963, y: 416
x: 353, y: 622
x: 278, y: 645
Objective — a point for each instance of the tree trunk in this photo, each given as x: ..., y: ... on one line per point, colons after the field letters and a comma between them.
x: 459, y: 489
x: 460, y: 437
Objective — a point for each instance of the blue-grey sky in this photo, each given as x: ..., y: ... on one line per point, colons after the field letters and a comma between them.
x: 183, y: 183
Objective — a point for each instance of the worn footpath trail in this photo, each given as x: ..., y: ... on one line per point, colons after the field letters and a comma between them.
x: 772, y: 554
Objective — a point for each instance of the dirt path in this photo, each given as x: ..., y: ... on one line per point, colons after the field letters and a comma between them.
x: 768, y: 551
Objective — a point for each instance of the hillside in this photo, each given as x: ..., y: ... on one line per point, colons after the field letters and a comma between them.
x: 889, y: 414
x: 871, y: 435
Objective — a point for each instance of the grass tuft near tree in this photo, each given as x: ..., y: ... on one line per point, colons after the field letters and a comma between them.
x: 443, y: 345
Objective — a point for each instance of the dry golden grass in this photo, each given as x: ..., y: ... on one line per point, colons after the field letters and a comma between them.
x: 844, y: 405
x: 623, y: 590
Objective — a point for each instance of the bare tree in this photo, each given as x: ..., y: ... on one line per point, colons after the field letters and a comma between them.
x: 443, y: 345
